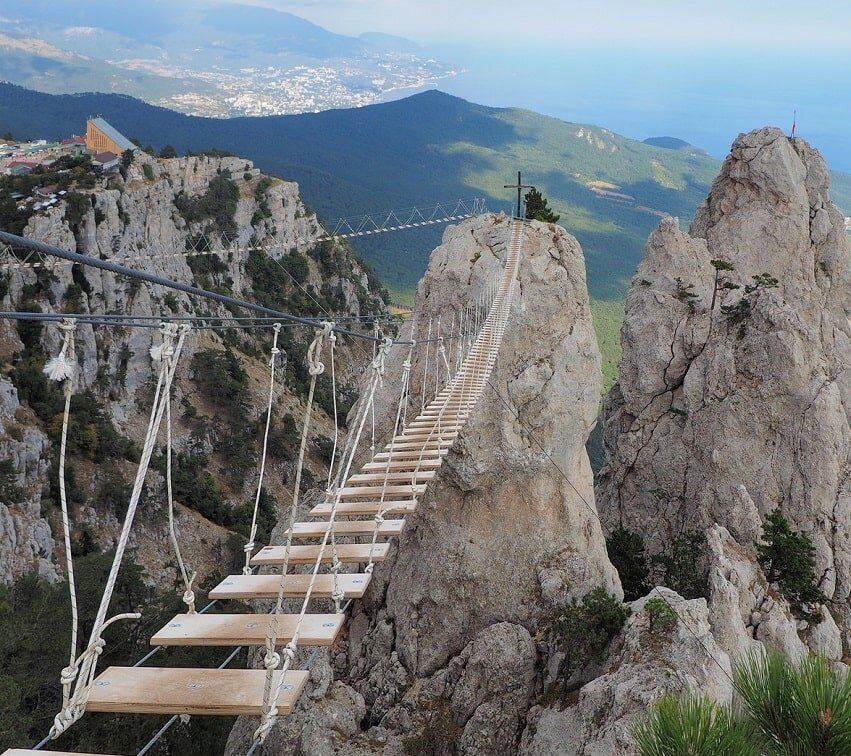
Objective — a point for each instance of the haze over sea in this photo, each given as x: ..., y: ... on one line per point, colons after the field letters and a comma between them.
x: 704, y: 96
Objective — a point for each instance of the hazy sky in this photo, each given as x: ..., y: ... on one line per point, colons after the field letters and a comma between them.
x: 810, y: 24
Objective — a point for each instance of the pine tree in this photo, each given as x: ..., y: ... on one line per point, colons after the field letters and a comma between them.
x: 788, y: 559
x: 538, y: 209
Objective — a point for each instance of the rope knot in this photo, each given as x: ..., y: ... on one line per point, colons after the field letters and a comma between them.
x: 68, y: 674
x: 289, y: 650
x: 189, y: 600
x: 272, y: 660
x: 337, y: 566
x: 379, y: 519
x: 327, y: 328
x: 314, y: 365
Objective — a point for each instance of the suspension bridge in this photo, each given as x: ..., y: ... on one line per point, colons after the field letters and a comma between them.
x: 13, y: 256
x: 365, y: 505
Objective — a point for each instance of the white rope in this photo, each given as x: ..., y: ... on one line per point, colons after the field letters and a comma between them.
x: 425, y: 371
x: 382, y: 509
x: 62, y: 368
x: 252, y: 534
x: 273, y: 659
x: 86, y: 663
x: 188, y: 580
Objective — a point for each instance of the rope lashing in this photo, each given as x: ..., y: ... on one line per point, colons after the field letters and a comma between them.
x: 270, y: 697
x: 166, y: 352
x: 379, y: 517
x: 75, y: 706
x: 272, y: 658
x: 273, y: 360
x: 62, y: 368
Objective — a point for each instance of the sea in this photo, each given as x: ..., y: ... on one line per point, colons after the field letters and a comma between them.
x: 705, y: 96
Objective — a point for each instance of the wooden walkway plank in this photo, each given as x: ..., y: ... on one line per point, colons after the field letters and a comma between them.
x: 213, y: 692
x: 295, y: 586
x: 345, y: 508
x: 246, y: 629
x: 347, y: 553
x: 386, y: 529
x: 371, y: 491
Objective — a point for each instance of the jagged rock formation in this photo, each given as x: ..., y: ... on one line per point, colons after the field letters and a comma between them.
x: 644, y: 662
x: 734, y: 401
x: 146, y: 220
x: 440, y: 655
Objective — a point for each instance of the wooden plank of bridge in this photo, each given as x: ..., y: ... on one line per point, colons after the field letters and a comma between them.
x: 371, y: 491
x: 386, y: 529
x: 400, y: 454
x: 430, y: 464
x: 266, y: 586
x: 161, y: 690
x: 347, y: 553
x: 390, y: 476
x: 246, y: 629
x: 345, y: 508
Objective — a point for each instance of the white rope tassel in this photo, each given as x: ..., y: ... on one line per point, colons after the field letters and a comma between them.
x: 61, y: 366
x: 87, y: 661
x: 274, y: 352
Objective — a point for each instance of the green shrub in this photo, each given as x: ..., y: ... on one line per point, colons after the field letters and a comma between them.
x: 683, y: 566
x: 628, y: 555
x: 221, y: 378
x: 787, y: 558
x: 660, y: 614
x: 583, y: 630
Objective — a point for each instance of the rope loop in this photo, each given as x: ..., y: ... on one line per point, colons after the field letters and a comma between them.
x: 314, y: 365
x: 289, y: 650
x: 164, y: 349
x: 379, y: 519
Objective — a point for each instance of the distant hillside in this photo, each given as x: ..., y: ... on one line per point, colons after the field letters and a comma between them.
x: 610, y: 191
x: 669, y: 143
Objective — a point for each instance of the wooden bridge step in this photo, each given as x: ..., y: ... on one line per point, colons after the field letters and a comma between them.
x: 429, y: 464
x: 391, y: 476
x: 266, y: 586
x: 346, y: 508
x: 371, y: 491
x: 386, y: 529
x: 161, y: 690
x: 413, y: 452
x: 348, y: 553
x: 411, y: 444
x: 246, y: 629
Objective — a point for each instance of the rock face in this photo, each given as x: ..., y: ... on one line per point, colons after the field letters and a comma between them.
x: 645, y: 662
x: 440, y: 653
x: 735, y: 401
x: 501, y: 533
x: 141, y: 221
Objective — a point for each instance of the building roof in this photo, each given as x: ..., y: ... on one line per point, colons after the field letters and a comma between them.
x: 110, y: 131
x: 105, y: 157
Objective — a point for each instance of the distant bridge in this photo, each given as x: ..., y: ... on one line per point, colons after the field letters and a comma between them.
x: 222, y: 244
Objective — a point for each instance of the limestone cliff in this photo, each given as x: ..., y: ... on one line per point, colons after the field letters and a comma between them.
x: 734, y: 391
x: 148, y: 219
x: 441, y: 653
